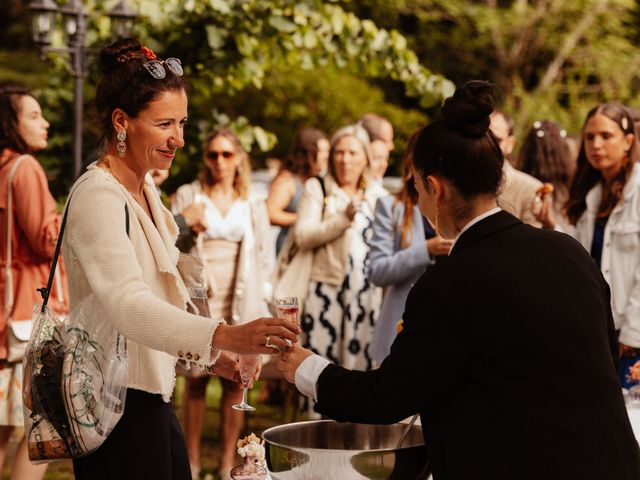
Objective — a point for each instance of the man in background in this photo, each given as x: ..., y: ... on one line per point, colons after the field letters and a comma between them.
x: 518, y: 188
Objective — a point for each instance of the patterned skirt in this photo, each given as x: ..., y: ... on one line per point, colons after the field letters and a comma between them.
x: 338, y: 321
x: 11, y: 395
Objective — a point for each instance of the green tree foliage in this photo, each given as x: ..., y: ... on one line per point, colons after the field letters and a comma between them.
x: 550, y: 58
x: 238, y: 56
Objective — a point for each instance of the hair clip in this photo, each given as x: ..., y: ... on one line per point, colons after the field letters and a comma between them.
x: 148, y: 53
x: 537, y: 124
x: 624, y: 123
x: 540, y: 133
x: 563, y: 133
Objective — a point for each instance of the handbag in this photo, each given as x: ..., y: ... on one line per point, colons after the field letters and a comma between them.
x: 293, y: 266
x: 75, y: 376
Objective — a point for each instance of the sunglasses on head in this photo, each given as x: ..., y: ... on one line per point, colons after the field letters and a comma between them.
x: 213, y: 155
x: 157, y: 67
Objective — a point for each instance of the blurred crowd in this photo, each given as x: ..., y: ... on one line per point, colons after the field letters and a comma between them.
x: 364, y: 246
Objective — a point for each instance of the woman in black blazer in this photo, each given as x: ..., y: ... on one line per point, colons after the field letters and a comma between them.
x: 512, y: 368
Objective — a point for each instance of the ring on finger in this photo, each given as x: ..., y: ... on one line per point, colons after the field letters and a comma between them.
x: 268, y: 344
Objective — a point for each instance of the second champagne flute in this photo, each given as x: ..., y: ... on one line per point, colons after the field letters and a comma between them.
x: 248, y: 365
x: 287, y: 309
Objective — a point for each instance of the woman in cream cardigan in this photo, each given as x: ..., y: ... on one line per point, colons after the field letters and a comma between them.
x: 142, y: 108
x: 342, y: 305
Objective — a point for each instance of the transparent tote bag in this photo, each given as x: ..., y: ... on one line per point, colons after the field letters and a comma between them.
x: 75, y: 377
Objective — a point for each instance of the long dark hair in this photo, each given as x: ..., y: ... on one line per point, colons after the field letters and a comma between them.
x: 10, y: 137
x: 545, y: 155
x: 126, y: 84
x: 459, y: 146
x: 305, y: 151
x: 587, y: 177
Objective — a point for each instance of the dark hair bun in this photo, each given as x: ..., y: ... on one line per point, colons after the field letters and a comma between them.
x: 468, y: 110
x: 114, y: 55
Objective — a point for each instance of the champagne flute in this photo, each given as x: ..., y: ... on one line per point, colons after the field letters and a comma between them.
x: 248, y: 365
x: 287, y: 309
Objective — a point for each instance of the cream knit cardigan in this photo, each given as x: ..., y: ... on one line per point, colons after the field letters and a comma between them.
x: 134, y: 278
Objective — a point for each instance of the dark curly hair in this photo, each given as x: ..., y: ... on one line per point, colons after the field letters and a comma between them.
x: 587, y: 177
x: 126, y: 84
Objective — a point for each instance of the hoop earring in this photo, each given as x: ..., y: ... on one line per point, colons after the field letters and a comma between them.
x: 122, y: 147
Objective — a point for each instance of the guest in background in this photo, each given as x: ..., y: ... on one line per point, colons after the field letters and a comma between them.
x: 546, y: 155
x: 342, y: 305
x: 519, y: 190
x: 190, y: 222
x: 402, y: 247
x: 238, y: 257
x: 380, y: 133
x: 34, y: 231
x: 604, y: 206
x: 307, y: 159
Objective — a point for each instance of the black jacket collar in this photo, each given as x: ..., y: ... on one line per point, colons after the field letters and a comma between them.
x: 486, y: 226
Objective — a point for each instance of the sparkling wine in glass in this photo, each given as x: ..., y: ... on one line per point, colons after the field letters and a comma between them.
x: 248, y: 365
x: 287, y: 309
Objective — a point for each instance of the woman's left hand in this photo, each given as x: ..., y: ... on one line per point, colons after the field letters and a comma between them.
x: 226, y: 366
x: 291, y: 360
x: 253, y: 337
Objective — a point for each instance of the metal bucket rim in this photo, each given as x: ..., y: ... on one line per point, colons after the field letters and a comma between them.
x: 390, y: 449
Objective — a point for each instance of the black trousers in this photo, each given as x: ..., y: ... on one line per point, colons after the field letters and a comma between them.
x: 146, y: 443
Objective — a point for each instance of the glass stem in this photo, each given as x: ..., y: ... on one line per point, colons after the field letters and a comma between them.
x: 245, y: 391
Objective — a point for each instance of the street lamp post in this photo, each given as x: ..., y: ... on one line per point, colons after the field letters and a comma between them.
x: 44, y: 13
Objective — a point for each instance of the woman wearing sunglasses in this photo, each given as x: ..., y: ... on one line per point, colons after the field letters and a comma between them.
x: 133, y: 274
x: 238, y: 255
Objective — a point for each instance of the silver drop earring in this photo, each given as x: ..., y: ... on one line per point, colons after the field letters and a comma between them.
x: 122, y: 147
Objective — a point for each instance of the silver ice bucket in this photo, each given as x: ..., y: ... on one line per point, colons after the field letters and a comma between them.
x: 327, y: 450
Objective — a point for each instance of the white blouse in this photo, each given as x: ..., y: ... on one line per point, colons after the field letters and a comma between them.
x: 225, y: 227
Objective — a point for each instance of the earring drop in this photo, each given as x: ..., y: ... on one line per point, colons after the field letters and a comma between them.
x: 122, y: 147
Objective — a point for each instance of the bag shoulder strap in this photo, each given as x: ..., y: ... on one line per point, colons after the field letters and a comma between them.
x: 324, y: 191
x: 44, y: 291
x: 8, y: 260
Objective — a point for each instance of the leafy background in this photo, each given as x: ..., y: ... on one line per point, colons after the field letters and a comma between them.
x: 267, y: 67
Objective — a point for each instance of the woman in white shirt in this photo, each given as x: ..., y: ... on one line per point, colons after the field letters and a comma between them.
x: 604, y: 206
x: 237, y: 254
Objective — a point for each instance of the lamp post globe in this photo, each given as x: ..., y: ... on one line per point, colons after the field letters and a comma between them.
x: 43, y: 16
x: 122, y: 19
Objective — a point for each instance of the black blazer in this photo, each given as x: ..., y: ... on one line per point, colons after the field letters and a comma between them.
x: 512, y: 370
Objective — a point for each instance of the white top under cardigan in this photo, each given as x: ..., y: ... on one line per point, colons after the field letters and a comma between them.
x: 135, y: 278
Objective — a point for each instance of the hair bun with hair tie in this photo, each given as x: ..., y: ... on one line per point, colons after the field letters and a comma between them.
x: 120, y: 52
x: 468, y: 110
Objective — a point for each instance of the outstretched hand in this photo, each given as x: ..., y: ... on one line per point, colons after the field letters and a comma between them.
x: 291, y: 360
x: 253, y: 337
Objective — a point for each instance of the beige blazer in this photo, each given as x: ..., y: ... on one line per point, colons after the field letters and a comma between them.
x: 135, y: 279
x: 517, y: 194
x: 330, y: 235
